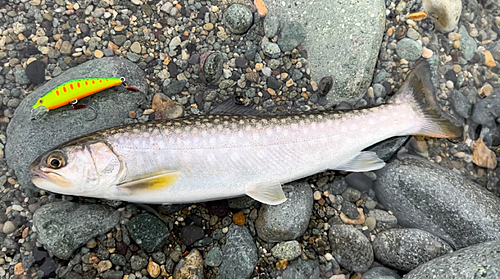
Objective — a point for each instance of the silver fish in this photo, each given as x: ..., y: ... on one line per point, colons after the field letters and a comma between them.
x: 219, y: 156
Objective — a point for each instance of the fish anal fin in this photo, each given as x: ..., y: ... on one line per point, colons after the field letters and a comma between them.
x: 268, y: 193
x: 153, y: 182
x: 364, y: 161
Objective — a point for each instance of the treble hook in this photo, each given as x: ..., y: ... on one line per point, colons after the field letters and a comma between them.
x: 74, y: 105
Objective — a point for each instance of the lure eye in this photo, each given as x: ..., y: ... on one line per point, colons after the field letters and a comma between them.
x: 55, y: 160
x: 40, y: 101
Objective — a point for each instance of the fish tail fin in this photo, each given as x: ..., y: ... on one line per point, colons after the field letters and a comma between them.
x: 419, y: 91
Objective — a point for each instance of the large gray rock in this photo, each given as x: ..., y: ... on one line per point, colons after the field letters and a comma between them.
x: 478, y: 261
x: 27, y: 139
x: 288, y: 220
x: 338, y: 44
x: 380, y: 272
x: 299, y: 269
x: 239, y: 254
x: 351, y: 248
x: 405, y: 249
x: 426, y: 196
x: 65, y: 226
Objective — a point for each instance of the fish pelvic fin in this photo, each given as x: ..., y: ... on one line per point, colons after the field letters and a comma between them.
x: 268, y: 193
x: 419, y: 91
x: 364, y: 161
x: 155, y: 181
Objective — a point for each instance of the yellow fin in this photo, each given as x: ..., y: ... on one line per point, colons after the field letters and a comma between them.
x: 155, y: 181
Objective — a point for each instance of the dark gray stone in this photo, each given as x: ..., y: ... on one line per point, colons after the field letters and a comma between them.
x: 348, y: 56
x: 460, y: 103
x: 29, y: 138
x: 426, y: 196
x: 300, y: 269
x: 239, y: 254
x: 137, y: 262
x: 65, y: 226
x: 337, y: 187
x: 380, y: 272
x: 405, y: 249
x: 190, y: 234
x: 350, y: 247
x: 359, y: 181
x: 485, y: 110
x: 387, y: 148
x: 20, y: 76
x: 112, y: 274
x: 117, y: 259
x: 36, y: 72
x: 213, y: 67
x: 288, y: 220
x: 292, y: 34
x: 238, y: 18
x: 383, y: 218
x: 477, y: 261
x: 250, y: 52
x: 148, y: 231
x: 175, y: 87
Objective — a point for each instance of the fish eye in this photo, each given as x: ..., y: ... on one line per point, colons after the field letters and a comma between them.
x: 55, y: 160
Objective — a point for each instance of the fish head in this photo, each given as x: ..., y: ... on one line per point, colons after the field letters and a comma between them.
x: 83, y: 168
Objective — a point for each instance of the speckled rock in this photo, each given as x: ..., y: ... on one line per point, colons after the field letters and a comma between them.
x: 29, y: 138
x: 467, y: 43
x: 409, y: 49
x: 240, y: 254
x: 299, y: 269
x: 380, y: 272
x: 148, y: 231
x: 350, y: 247
x: 238, y: 18
x: 292, y: 34
x: 289, y: 250
x: 190, y: 267
x: 420, y: 193
x: 213, y: 67
x: 405, y: 249
x: 65, y: 226
x: 477, y: 261
x: 288, y: 220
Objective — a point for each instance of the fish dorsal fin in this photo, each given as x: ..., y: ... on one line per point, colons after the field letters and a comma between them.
x: 232, y: 106
x: 155, y: 181
x: 268, y: 193
x: 364, y: 161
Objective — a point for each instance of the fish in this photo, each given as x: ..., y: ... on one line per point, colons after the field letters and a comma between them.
x: 211, y: 157
x: 71, y: 91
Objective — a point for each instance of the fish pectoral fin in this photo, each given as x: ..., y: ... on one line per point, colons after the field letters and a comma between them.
x: 268, y: 193
x: 155, y: 181
x: 364, y: 161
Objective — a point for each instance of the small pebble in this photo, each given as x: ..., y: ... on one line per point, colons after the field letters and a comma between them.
x: 8, y: 227
x: 239, y: 218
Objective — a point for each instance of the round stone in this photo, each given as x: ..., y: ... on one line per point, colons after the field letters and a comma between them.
x: 238, y: 18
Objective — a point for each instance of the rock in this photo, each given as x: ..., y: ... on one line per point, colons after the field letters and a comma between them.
x: 359, y: 181
x: 148, y: 231
x: 461, y: 104
x: 65, y: 226
x: 405, y: 249
x: 270, y: 49
x: 175, y: 87
x: 445, y: 13
x: 239, y: 254
x: 467, y: 43
x: 110, y: 274
x: 337, y: 187
x: 482, y: 156
x: 289, y: 250
x: 271, y: 25
x: 387, y: 148
x: 477, y: 261
x: 190, y: 267
x: 485, y: 110
x: 20, y: 76
x: 214, y: 257
x: 36, y: 72
x: 348, y: 56
x: 350, y: 247
x: 419, y: 194
x: 380, y: 272
x: 251, y: 52
x: 137, y: 262
x: 384, y: 219
x: 299, y: 269
x: 292, y: 34
x: 238, y: 18
x: 409, y: 49
x: 213, y: 67
x: 29, y: 138
x: 288, y: 220
x: 190, y: 234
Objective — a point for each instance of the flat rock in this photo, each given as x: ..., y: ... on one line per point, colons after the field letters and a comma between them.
x: 65, y: 226
x: 302, y: 269
x: 405, y: 249
x: 288, y: 220
x: 29, y: 138
x: 239, y: 254
x: 351, y: 248
x: 338, y: 44
x: 477, y: 261
x: 426, y: 196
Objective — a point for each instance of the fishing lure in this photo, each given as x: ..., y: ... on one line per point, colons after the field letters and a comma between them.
x: 72, y: 91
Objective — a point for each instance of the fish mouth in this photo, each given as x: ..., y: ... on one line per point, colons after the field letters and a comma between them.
x: 42, y: 178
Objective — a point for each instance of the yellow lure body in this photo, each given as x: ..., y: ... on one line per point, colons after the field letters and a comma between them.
x: 75, y: 89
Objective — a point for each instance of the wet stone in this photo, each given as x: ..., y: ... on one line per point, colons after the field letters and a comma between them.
x: 190, y: 267
x: 138, y: 263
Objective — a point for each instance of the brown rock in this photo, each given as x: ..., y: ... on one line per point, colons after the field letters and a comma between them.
x: 482, y: 156
x: 103, y: 266
x: 154, y: 269
x: 18, y: 269
x: 166, y: 108
x: 239, y: 218
x: 190, y: 267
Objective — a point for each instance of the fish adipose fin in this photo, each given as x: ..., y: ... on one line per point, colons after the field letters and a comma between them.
x: 269, y: 193
x: 364, y: 161
x: 155, y: 181
x: 420, y: 89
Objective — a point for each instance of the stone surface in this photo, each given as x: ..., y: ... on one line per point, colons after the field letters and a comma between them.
x: 348, y: 55
x: 288, y: 220
x: 420, y: 193
x: 477, y: 261
x: 350, y: 247
x: 190, y: 267
x: 405, y: 249
x: 292, y: 34
x: 289, y: 250
x: 299, y: 269
x: 148, y: 231
x: 65, y: 226
x: 444, y: 13
x: 29, y: 138
x: 240, y: 254
x: 238, y: 18
x: 380, y: 272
